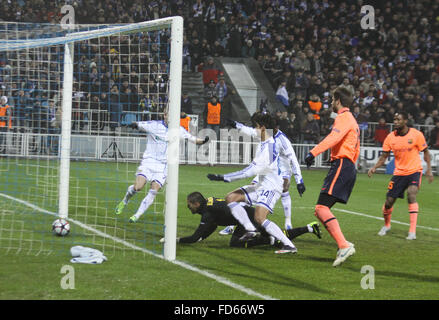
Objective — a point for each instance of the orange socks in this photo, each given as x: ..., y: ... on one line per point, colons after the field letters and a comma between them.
x: 413, y: 211
x: 387, y: 214
x: 331, y: 224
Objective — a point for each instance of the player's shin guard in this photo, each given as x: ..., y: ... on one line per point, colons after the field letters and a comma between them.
x: 324, y: 214
x: 130, y: 192
x: 146, y: 202
x: 274, y: 230
x: 413, y: 211
x: 241, y: 215
x: 387, y: 214
x: 286, y: 204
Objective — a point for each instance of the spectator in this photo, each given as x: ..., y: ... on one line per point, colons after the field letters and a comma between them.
x: 185, y: 120
x: 210, y: 91
x: 249, y: 51
x: 210, y: 71
x: 315, y: 105
x: 282, y: 94
x: 221, y: 90
x: 5, y: 122
x: 381, y: 132
x: 310, y: 132
x: 186, y: 104
x: 212, y: 115
x: 434, y: 137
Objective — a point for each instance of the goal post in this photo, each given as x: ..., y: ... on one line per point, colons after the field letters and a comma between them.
x: 63, y: 169
x: 174, y: 140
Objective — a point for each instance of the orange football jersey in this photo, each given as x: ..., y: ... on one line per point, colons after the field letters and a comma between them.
x: 406, y: 150
x: 344, y: 139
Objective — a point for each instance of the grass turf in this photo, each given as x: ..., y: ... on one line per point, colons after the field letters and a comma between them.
x: 31, y: 257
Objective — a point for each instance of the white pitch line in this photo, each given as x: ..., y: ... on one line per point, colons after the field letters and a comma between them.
x: 373, y: 217
x: 132, y: 246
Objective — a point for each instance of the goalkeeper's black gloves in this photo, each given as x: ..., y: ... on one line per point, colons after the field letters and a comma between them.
x: 231, y: 123
x: 309, y: 159
x: 133, y: 125
x: 215, y: 177
x: 206, y: 139
x: 301, y: 188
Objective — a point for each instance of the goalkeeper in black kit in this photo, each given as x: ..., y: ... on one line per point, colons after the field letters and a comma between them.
x: 215, y: 212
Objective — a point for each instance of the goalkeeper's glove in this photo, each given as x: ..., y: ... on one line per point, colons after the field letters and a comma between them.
x: 215, y: 177
x: 133, y: 125
x: 309, y: 159
x: 301, y: 188
x: 231, y: 123
x: 206, y: 139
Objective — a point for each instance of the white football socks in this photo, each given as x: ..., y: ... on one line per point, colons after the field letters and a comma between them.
x: 146, y: 202
x: 286, y: 204
x: 130, y: 192
x: 274, y: 230
x: 241, y: 215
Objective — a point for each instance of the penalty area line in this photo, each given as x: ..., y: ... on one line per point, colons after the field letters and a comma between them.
x: 182, y: 264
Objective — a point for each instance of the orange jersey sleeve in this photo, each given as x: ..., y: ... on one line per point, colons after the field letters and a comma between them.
x: 406, y: 150
x: 344, y: 139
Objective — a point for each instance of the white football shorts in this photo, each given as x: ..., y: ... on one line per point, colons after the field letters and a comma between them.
x: 153, y: 170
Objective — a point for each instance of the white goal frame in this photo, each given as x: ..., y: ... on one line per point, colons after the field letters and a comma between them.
x: 174, y: 100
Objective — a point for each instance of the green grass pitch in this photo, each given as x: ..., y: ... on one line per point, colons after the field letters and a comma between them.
x: 31, y: 257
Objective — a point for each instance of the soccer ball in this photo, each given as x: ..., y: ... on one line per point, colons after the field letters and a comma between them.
x: 61, y: 227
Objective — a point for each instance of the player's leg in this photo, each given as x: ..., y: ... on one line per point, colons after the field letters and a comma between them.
x: 250, y: 197
x: 233, y: 199
x: 132, y: 190
x: 412, y: 191
x: 395, y: 189
x: 261, y: 212
x: 312, y: 227
x: 240, y: 231
x: 147, y: 201
x: 286, y: 203
x: 387, y: 215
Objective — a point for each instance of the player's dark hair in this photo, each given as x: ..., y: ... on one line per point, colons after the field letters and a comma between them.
x: 264, y: 120
x: 344, y: 95
x: 404, y: 114
x: 196, y: 197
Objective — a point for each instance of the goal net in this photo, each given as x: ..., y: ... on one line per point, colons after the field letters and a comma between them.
x: 66, y: 147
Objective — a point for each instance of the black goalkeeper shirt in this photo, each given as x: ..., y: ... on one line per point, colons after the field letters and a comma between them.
x: 215, y: 213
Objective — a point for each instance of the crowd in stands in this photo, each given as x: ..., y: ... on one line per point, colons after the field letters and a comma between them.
x: 305, y: 48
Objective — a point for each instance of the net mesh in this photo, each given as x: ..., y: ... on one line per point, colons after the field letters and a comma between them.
x: 119, y: 77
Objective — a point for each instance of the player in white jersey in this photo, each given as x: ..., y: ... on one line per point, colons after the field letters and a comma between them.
x: 268, y: 189
x: 153, y: 167
x: 288, y: 165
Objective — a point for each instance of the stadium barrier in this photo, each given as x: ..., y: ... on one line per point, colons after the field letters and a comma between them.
x: 131, y: 148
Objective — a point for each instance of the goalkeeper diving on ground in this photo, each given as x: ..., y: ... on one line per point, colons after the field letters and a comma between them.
x: 215, y: 212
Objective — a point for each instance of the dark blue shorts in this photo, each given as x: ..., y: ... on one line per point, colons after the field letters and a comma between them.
x: 340, y: 179
x: 398, y: 184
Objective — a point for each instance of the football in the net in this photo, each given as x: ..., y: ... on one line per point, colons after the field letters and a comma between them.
x: 61, y: 227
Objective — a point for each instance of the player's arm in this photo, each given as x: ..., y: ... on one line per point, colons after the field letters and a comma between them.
x: 429, y: 172
x: 248, y: 172
x: 379, y: 163
x: 339, y: 130
x: 295, y: 168
x: 249, y: 131
x: 186, y: 135
x: 203, y: 231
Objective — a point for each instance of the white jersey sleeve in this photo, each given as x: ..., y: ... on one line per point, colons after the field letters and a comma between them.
x: 264, y: 162
x: 147, y: 126
x: 184, y: 134
x: 249, y: 131
x: 287, y: 151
